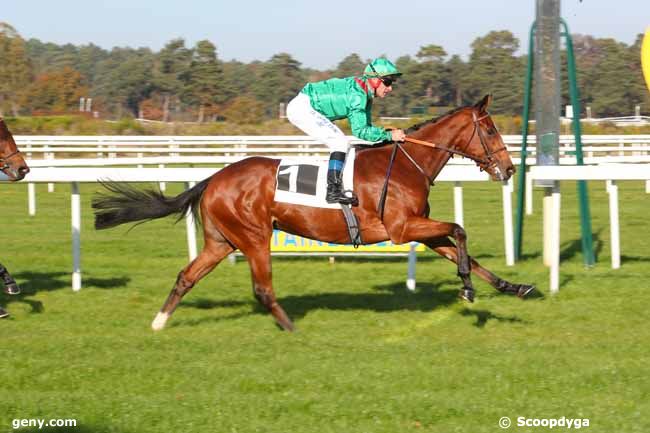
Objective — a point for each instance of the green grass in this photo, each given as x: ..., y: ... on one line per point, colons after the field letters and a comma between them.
x: 368, y: 355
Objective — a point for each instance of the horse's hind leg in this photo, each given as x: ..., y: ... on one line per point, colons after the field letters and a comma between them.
x: 212, y: 254
x: 446, y: 248
x: 11, y: 288
x: 259, y: 260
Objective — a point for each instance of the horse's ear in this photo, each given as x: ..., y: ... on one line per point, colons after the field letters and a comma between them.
x: 483, y: 104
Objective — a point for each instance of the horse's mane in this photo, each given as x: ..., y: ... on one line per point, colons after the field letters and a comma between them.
x: 413, y: 128
x: 420, y: 125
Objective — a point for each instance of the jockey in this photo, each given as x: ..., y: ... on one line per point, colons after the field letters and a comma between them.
x: 319, y: 103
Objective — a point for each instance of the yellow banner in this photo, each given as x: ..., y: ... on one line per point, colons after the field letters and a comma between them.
x: 285, y: 242
x: 645, y: 57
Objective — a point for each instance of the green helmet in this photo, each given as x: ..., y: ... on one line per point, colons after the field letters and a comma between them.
x: 381, y: 67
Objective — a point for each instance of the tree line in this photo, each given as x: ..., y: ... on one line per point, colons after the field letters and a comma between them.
x: 193, y: 84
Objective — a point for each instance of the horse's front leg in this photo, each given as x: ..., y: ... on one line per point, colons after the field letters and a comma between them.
x: 11, y: 288
x: 446, y: 248
x: 425, y: 230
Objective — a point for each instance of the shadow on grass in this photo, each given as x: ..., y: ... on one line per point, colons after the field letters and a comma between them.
x: 572, y: 248
x: 635, y: 259
x: 33, y: 282
x: 384, y: 298
x: 483, y: 316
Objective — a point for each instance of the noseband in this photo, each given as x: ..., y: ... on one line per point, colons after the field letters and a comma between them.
x: 3, y: 161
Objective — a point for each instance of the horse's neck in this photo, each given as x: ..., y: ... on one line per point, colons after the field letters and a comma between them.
x: 442, y: 134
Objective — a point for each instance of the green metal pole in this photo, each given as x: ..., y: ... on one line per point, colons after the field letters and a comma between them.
x: 585, y: 215
x: 521, y: 181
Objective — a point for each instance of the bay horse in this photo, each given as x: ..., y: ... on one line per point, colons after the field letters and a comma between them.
x: 238, y: 210
x: 15, y: 168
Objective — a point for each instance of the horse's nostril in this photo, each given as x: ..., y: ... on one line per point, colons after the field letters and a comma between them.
x: 23, y: 170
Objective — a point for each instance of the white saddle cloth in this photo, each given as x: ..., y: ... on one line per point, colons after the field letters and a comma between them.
x: 304, y: 182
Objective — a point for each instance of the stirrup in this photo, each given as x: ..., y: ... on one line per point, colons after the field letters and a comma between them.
x: 346, y: 197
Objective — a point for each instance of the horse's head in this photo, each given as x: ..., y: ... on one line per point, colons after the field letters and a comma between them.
x: 11, y: 161
x: 485, y: 144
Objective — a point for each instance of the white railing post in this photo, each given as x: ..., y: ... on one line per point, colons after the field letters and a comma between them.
x: 410, y: 278
x: 529, y: 194
x: 612, y: 190
x: 49, y: 155
x: 31, y: 188
x: 621, y: 146
x: 458, y: 204
x: 555, y: 239
x: 75, y: 201
x: 31, y: 199
x: 508, y: 237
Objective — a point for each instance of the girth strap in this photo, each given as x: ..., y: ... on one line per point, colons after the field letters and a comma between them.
x: 353, y: 225
x: 384, y: 189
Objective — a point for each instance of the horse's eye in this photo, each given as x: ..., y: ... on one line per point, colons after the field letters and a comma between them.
x: 491, y: 130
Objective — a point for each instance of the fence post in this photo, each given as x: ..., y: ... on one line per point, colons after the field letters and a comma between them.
x: 75, y: 201
x: 458, y: 204
x: 410, y: 279
x: 612, y: 190
x: 555, y: 238
x: 507, y: 222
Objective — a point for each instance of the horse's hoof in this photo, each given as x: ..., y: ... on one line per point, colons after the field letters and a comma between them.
x: 3, y: 313
x: 159, y: 321
x: 467, y: 295
x: 12, y: 289
x: 524, y: 290
x: 286, y: 326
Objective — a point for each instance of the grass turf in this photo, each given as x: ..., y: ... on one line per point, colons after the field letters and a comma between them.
x: 368, y: 356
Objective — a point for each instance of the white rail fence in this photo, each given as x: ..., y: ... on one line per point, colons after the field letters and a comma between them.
x: 222, y: 150
x: 77, y: 175
x: 611, y: 173
x: 241, y: 146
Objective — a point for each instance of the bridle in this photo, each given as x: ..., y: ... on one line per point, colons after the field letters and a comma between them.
x: 484, y: 163
x: 4, y: 160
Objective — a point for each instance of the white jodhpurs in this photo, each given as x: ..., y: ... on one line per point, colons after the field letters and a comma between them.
x: 314, y: 124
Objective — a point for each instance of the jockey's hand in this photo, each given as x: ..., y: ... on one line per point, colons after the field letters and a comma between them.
x: 397, y: 135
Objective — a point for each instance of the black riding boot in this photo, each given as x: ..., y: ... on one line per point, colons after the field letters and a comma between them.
x: 335, y: 193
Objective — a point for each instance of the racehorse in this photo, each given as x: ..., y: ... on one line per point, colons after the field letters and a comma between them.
x: 238, y: 210
x: 15, y: 168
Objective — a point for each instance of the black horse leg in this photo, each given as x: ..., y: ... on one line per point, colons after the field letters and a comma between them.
x: 464, y: 264
x: 11, y: 288
x: 425, y: 230
x: 446, y: 248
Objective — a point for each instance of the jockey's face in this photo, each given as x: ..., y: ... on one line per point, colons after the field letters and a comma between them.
x: 381, y: 89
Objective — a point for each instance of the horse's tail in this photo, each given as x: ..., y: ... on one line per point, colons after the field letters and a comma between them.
x: 129, y: 204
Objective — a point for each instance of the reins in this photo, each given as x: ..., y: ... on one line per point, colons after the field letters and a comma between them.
x: 482, y: 163
x: 446, y: 149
